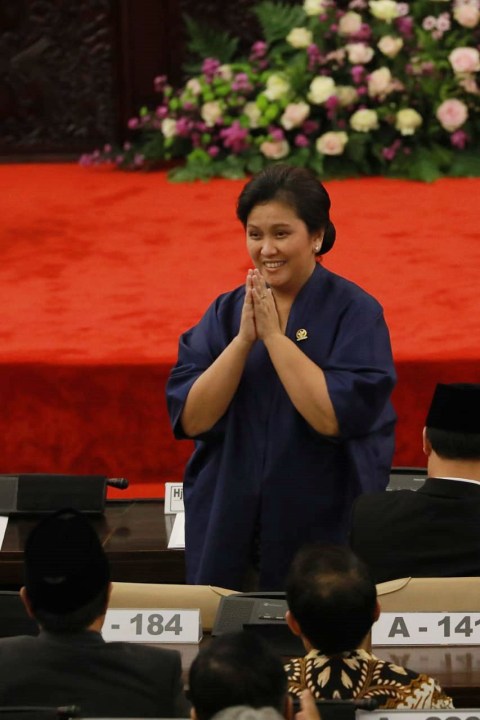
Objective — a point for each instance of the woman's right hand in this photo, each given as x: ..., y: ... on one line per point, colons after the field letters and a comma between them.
x: 248, y: 331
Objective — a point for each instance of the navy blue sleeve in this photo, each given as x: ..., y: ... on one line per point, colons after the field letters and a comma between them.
x: 198, y: 349
x: 360, y: 374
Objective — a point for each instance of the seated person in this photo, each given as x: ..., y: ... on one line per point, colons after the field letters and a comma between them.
x: 434, y: 531
x: 67, y: 588
x: 333, y: 604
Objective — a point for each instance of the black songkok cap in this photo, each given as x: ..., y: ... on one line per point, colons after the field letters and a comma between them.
x: 64, y: 563
x: 456, y: 408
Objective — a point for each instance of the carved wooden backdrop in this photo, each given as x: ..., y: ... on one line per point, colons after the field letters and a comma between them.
x: 73, y: 71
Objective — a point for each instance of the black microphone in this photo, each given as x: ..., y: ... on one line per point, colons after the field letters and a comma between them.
x: 119, y: 483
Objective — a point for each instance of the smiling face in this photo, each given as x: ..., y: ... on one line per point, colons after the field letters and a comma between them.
x: 281, y: 246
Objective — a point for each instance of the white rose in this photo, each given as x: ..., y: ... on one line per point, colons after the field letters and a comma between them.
x: 314, y: 7
x: 194, y: 86
x: 347, y: 95
x: 332, y: 143
x: 253, y: 112
x: 277, y: 87
x: 275, y: 150
x: 359, y: 53
x: 384, y: 9
x: 364, y: 120
x: 294, y: 115
x: 321, y: 88
x: 350, y: 23
x: 225, y: 72
x: 169, y: 127
x: 299, y: 37
x: 390, y: 46
x: 407, y: 121
x: 379, y: 82
x: 465, y: 60
x: 467, y: 15
x: 211, y: 112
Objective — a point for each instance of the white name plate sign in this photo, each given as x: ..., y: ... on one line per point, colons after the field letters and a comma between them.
x: 173, y: 498
x: 153, y: 625
x: 427, y: 628
x: 473, y: 714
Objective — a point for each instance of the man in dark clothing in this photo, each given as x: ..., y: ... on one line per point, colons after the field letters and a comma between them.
x: 431, y: 532
x: 67, y: 589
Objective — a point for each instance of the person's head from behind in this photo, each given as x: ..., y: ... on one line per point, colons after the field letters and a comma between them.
x: 236, y: 669
x: 331, y: 597
x: 452, y: 427
x: 67, y: 576
x: 286, y: 213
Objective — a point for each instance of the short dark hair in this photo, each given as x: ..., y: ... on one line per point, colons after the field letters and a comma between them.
x: 332, y: 596
x: 66, y: 570
x: 295, y: 186
x: 454, y: 445
x: 74, y: 621
x: 236, y: 669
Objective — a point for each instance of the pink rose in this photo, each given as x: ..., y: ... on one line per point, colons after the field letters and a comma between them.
x: 467, y: 15
x: 451, y: 114
x: 379, y: 82
x: 465, y: 60
x: 332, y: 143
x: 294, y: 115
x: 275, y: 150
x: 359, y: 53
x: 350, y: 23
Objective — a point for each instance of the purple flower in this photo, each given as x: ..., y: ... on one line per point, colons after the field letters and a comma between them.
x: 183, y: 127
x: 357, y: 73
x: 133, y: 123
x: 459, y: 139
x: 85, y: 160
x: 405, y: 26
x: 364, y: 34
x: 107, y: 148
x: 390, y: 152
x: 241, y: 83
x: 235, y: 137
x: 213, y: 151
x: 276, y: 134
x: 301, y: 140
x: 138, y: 160
x: 314, y: 57
x: 159, y: 83
x: 309, y: 127
x: 161, y: 112
x: 258, y: 50
x: 209, y: 68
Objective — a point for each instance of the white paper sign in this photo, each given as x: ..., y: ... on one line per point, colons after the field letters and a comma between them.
x: 153, y: 625
x: 3, y: 528
x: 177, y: 536
x: 429, y: 628
x: 173, y: 498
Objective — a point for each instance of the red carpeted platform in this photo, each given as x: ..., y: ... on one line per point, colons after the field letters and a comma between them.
x: 101, y: 271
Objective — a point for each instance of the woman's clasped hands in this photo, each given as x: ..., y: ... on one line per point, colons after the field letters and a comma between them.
x: 259, y: 314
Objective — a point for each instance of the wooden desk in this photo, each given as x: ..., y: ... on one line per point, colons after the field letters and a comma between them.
x: 134, y: 534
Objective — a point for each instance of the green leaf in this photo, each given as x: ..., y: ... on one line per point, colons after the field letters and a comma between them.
x: 423, y: 166
x: 206, y: 40
x: 277, y: 19
x: 465, y: 164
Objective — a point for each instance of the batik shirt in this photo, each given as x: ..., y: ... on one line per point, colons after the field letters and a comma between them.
x: 360, y: 675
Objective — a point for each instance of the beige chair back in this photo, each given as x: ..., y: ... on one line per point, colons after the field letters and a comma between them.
x: 452, y: 594
x: 146, y: 595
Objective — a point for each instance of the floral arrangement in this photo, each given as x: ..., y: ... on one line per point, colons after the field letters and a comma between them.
x: 375, y: 87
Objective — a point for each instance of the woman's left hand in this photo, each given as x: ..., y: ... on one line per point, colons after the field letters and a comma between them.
x: 266, y: 315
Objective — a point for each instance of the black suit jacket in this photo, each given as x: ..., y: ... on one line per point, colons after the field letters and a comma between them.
x: 104, y: 679
x: 431, y: 532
